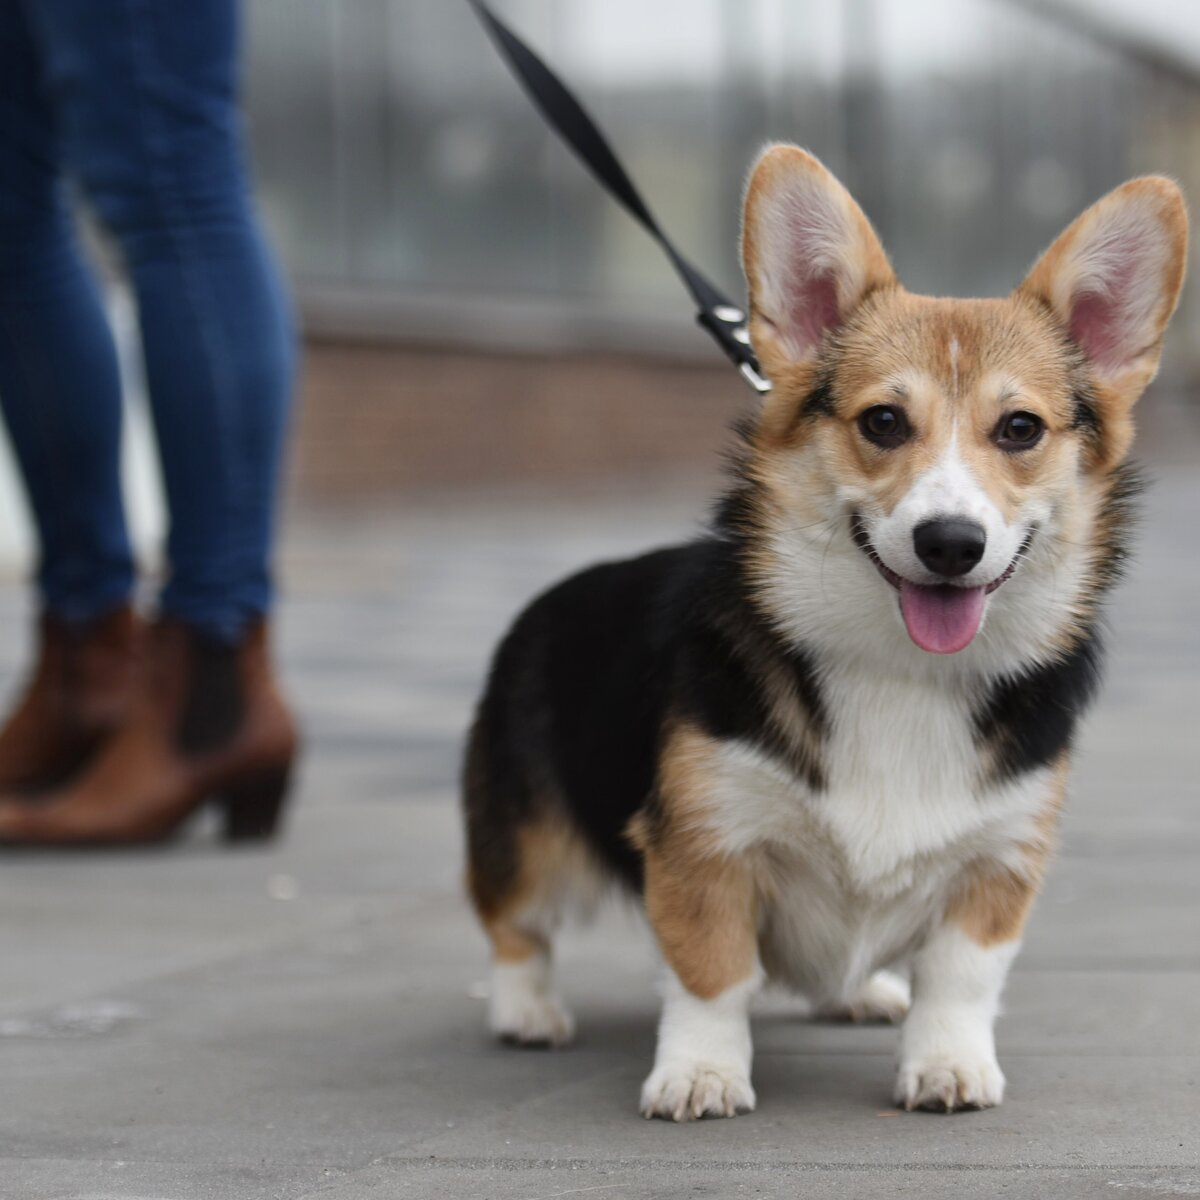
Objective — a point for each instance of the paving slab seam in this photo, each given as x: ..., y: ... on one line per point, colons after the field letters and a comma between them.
x: 1007, y: 1055
x: 215, y: 1164
x: 745, y: 1165
x: 1084, y: 966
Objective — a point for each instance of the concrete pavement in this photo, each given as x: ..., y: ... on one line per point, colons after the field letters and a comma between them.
x: 308, y: 1021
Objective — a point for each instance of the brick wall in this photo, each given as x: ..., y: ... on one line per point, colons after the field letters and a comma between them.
x: 380, y: 420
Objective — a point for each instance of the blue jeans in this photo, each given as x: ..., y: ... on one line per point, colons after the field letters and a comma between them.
x: 135, y: 102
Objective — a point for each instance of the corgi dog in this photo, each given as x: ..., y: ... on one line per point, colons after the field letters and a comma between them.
x: 828, y: 742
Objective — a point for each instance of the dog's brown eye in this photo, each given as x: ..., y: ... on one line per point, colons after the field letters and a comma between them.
x: 1019, y: 431
x: 884, y: 425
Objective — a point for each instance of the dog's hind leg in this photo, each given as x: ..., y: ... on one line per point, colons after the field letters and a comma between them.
x: 886, y: 996
x: 522, y: 869
x: 523, y: 1005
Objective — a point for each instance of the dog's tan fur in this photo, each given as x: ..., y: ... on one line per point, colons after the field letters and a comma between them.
x: 701, y: 901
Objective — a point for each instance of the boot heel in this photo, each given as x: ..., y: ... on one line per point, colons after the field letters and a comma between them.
x: 253, y: 806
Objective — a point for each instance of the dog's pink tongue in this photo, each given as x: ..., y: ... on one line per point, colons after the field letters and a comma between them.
x: 941, y: 619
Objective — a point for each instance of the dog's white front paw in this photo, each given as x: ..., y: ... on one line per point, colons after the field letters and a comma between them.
x: 884, y: 997
x: 947, y: 1046
x: 944, y: 1082
x: 522, y: 1007
x: 687, y: 1091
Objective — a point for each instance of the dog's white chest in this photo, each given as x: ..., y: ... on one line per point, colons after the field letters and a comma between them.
x: 856, y: 871
x: 903, y: 773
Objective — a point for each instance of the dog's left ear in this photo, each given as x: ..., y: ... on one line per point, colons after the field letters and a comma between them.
x: 1113, y: 279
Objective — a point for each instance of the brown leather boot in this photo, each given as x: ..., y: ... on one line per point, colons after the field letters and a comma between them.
x: 208, y: 725
x: 78, y: 695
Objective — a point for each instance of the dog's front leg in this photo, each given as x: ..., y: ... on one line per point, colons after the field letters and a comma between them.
x: 947, y: 1046
x: 703, y: 913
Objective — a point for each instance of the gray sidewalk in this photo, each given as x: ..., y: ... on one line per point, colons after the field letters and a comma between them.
x: 308, y: 1021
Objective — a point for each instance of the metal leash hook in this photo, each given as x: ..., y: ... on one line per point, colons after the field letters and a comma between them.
x: 727, y: 325
x: 724, y: 321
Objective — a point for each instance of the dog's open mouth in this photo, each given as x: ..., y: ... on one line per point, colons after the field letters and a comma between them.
x: 942, y: 618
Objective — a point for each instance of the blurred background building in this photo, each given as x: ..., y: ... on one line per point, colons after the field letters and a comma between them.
x: 477, y: 310
x: 416, y: 193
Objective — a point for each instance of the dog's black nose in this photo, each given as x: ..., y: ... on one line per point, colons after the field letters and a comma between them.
x: 949, y: 546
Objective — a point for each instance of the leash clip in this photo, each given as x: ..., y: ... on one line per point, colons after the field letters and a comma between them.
x: 727, y: 325
x: 760, y: 383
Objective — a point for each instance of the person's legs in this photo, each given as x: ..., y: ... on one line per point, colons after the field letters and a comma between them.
x: 145, y: 92
x: 59, y: 386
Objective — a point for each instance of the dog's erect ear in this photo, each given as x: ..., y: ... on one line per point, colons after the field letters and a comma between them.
x: 809, y: 253
x: 1113, y: 279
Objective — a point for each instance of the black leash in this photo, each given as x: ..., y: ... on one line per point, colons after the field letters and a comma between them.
x: 723, y: 319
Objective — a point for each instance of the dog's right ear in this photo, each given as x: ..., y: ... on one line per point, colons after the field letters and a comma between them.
x: 810, y: 257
